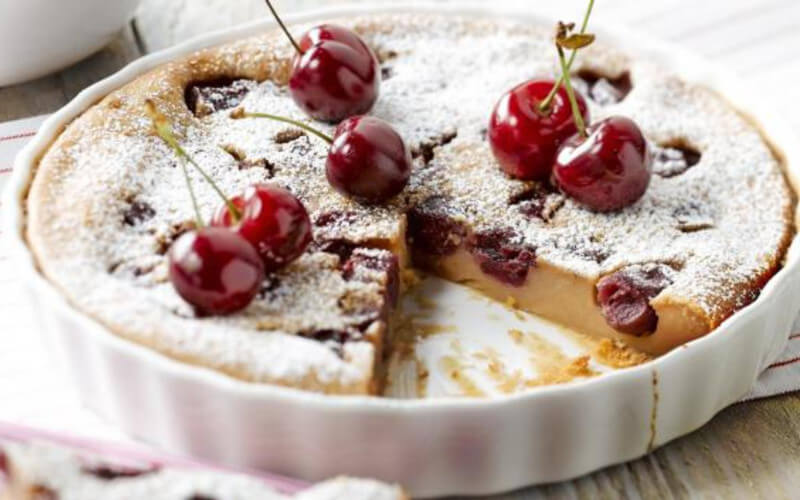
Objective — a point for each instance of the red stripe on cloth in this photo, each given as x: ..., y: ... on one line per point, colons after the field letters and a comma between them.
x: 8, y: 171
x: 784, y: 362
x: 17, y: 136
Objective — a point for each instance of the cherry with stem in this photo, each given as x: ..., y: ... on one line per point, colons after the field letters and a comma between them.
x: 606, y: 166
x: 367, y: 159
x: 214, y: 269
x: 284, y: 28
x: 334, y: 74
x: 544, y: 106
x: 577, y: 115
x: 524, y: 134
x: 164, y: 130
x: 241, y: 113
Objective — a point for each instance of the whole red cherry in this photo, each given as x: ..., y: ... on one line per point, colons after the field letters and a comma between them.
x: 368, y: 160
x: 336, y: 75
x: 215, y: 270
x: 273, y: 220
x: 608, y: 170
x: 525, y: 138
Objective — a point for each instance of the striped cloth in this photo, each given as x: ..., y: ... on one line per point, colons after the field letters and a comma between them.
x: 32, y: 394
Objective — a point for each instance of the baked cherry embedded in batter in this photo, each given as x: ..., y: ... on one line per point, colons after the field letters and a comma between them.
x: 608, y: 170
x: 368, y: 160
x: 273, y: 220
x: 624, y: 297
x: 334, y: 73
x: 215, y: 270
x: 524, y: 135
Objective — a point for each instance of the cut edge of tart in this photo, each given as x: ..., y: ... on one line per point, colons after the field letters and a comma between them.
x: 107, y: 198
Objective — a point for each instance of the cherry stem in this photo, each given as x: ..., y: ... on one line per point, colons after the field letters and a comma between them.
x: 200, y: 222
x: 164, y: 131
x: 283, y: 27
x: 576, y: 112
x: 243, y: 114
x: 545, y: 104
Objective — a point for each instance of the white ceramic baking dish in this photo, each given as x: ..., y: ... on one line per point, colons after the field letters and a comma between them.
x: 433, y: 447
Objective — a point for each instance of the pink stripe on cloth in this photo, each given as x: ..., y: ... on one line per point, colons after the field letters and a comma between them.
x: 783, y: 363
x: 111, y: 451
x: 22, y: 135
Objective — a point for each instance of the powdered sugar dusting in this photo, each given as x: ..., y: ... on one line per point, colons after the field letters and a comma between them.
x: 446, y: 75
x: 71, y: 475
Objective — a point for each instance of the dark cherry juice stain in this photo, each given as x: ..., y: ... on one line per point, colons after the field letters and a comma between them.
x: 693, y: 216
x: 674, y: 159
x: 426, y: 149
x: 204, y: 98
x: 108, y: 472
x: 537, y: 202
x: 432, y: 231
x: 335, y: 217
x: 340, y: 247
x: 137, y: 212
x: 604, y: 89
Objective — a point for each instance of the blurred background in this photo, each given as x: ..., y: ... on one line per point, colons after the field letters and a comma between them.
x: 731, y: 31
x: 757, y: 39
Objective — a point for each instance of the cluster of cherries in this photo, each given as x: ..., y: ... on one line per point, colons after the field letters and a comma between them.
x: 336, y: 78
x: 219, y: 268
x: 538, y: 132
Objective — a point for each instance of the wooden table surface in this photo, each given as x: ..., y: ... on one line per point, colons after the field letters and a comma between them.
x: 750, y: 450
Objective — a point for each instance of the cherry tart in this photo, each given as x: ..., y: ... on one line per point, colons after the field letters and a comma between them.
x: 593, y: 250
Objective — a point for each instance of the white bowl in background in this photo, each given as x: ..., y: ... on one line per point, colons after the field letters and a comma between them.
x: 432, y: 446
x: 38, y: 37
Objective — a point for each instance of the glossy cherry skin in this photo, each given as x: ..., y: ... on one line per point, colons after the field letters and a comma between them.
x: 332, y: 32
x: 273, y: 220
x: 215, y: 270
x: 368, y: 160
x: 608, y: 170
x: 524, y: 139
x: 336, y: 76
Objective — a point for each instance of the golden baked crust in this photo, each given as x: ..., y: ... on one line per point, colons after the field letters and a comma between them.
x: 719, y: 229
